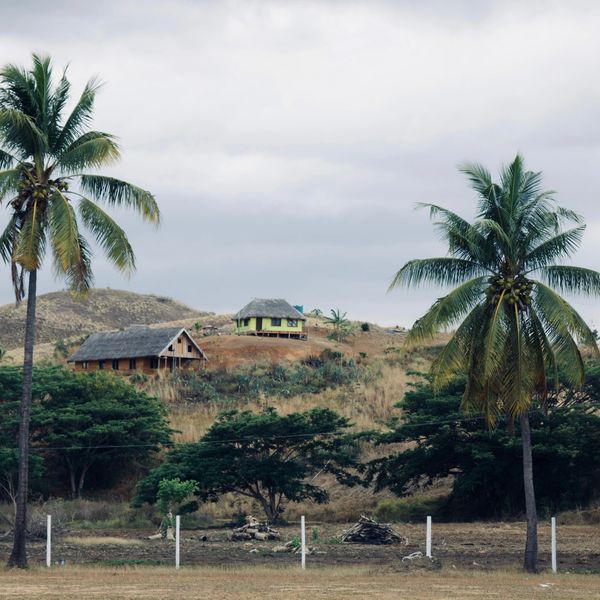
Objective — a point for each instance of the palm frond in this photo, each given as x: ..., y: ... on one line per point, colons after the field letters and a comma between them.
x: 454, y: 357
x: 91, y: 150
x: 80, y: 117
x: 8, y: 183
x: 560, y: 316
x: 64, y: 233
x: 438, y: 271
x: 108, y: 235
x: 572, y: 280
x: 448, y: 310
x: 7, y: 160
x: 115, y: 192
x: 31, y: 241
x: 565, y: 244
x: 7, y: 239
x: 20, y: 134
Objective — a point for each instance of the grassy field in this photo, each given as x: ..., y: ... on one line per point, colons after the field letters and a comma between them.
x: 290, y: 583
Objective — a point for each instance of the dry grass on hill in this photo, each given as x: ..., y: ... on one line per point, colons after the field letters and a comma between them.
x: 61, y: 316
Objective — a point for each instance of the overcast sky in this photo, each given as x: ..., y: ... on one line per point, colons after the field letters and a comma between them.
x: 288, y: 142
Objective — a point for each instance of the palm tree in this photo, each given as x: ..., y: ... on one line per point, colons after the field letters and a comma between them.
x: 341, y: 325
x: 43, y: 153
x: 514, y: 328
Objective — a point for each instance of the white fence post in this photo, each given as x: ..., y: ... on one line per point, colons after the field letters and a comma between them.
x: 177, y: 539
x: 553, y: 527
x: 428, y: 539
x: 303, y: 541
x: 49, y: 540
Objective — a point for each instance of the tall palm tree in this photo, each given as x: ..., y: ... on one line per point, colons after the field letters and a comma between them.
x: 514, y: 329
x: 43, y: 152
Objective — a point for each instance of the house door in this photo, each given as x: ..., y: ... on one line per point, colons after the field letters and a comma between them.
x: 258, y: 323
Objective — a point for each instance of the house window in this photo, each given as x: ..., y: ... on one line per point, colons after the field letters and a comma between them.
x: 85, y: 364
x: 276, y: 322
x: 179, y: 340
x: 292, y: 322
x: 246, y: 322
x: 115, y: 364
x: 189, y: 347
x: 101, y: 365
x: 154, y: 362
x: 132, y: 365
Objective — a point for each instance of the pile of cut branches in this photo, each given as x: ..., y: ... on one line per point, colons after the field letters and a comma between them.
x: 368, y: 531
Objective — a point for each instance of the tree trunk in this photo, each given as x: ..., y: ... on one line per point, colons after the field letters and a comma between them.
x: 18, y: 557
x: 531, y: 543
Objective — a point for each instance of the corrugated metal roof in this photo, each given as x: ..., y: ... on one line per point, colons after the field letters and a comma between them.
x: 133, y: 342
x: 270, y: 307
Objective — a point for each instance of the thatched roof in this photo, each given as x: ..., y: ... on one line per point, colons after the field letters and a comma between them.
x: 134, y: 342
x: 269, y: 307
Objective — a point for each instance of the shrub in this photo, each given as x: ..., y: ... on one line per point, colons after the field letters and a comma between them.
x: 409, y: 509
x: 365, y: 327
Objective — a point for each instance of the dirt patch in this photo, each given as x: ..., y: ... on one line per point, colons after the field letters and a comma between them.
x: 476, y: 547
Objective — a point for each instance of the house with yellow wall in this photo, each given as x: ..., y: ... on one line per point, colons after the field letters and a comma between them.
x: 271, y: 317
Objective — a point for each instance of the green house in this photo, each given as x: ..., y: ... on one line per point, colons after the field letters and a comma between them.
x: 271, y: 318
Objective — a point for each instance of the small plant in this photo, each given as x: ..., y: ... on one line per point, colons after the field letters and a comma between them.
x: 197, y: 326
x: 295, y: 542
x: 171, y: 496
x: 61, y: 348
x: 314, y: 534
x: 365, y: 327
x: 342, y: 328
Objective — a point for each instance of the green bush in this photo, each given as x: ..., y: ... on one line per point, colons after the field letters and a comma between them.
x: 330, y: 369
x: 365, y: 327
x: 409, y: 509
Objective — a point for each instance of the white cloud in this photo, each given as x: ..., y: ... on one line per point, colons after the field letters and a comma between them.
x: 327, y: 121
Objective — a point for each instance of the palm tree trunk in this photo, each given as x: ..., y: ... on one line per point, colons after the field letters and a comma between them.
x: 18, y: 557
x: 531, y: 545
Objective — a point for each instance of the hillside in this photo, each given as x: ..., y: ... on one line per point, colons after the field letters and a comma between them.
x: 61, y: 316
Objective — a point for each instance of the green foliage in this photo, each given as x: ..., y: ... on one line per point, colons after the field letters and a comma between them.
x: 513, y: 327
x: 408, y: 509
x: 172, y: 493
x: 86, y: 425
x: 267, y: 457
x: 314, y: 534
x: 43, y: 151
x: 365, y: 327
x: 482, y: 463
x: 342, y: 327
x: 61, y: 348
x: 310, y: 377
x: 197, y: 326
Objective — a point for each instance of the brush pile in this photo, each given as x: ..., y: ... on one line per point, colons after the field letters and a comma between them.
x: 254, y: 530
x: 368, y: 531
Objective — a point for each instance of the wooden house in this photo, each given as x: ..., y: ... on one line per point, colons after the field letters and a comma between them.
x: 271, y: 318
x: 138, y: 348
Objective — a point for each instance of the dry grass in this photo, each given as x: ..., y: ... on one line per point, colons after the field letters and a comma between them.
x: 101, y: 541
x: 291, y: 583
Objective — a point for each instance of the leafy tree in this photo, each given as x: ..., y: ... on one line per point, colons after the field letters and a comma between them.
x: 443, y: 442
x: 43, y: 157
x: 171, y: 494
x: 342, y: 328
x: 86, y: 422
x: 267, y: 457
x: 513, y: 324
